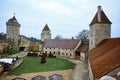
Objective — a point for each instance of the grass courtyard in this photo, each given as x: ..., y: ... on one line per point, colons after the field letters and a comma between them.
x: 32, y: 64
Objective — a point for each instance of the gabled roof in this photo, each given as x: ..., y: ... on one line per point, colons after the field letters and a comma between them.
x: 61, y: 43
x: 83, y: 48
x: 104, y: 19
x: 105, y: 57
x: 46, y: 28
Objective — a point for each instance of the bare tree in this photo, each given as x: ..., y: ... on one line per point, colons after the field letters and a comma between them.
x: 58, y: 37
x: 84, y: 34
x: 2, y: 36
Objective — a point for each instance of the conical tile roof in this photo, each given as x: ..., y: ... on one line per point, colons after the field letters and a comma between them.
x: 46, y: 28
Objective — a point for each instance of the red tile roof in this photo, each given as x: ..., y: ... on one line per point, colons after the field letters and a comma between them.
x: 105, y: 57
x: 104, y: 19
x: 61, y: 43
x: 84, y: 48
x: 46, y: 28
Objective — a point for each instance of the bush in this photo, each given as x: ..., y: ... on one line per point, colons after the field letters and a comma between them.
x: 32, y: 54
x: 54, y: 56
x: 43, y: 60
x: 50, y: 55
x: 44, y: 54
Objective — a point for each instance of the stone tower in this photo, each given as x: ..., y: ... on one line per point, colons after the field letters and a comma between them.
x: 46, y: 33
x: 13, y: 31
x: 100, y: 28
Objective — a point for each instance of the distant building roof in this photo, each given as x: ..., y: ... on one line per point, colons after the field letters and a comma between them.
x: 104, y: 19
x: 61, y: 43
x: 105, y: 57
x: 83, y: 48
x: 46, y: 28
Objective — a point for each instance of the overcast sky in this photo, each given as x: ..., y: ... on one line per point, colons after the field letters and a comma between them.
x: 64, y: 17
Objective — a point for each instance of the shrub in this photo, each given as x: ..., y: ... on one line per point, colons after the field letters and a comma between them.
x: 32, y: 54
x: 50, y: 55
x: 44, y: 54
x: 43, y: 60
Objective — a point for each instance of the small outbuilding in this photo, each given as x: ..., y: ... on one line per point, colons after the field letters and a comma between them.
x: 10, y: 63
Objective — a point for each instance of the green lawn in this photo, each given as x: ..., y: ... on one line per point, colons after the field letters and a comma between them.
x: 32, y: 64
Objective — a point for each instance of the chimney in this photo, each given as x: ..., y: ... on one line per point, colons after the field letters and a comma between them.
x: 99, y: 14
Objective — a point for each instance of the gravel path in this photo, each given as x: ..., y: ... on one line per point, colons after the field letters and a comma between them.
x: 81, y: 70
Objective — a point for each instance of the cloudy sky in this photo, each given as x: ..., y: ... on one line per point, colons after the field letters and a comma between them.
x: 64, y: 17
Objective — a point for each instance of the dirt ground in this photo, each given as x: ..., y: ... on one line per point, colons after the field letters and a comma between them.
x: 66, y: 74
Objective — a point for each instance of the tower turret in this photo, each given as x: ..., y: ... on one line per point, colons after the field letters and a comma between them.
x: 100, y: 28
x: 46, y: 33
x: 13, y: 31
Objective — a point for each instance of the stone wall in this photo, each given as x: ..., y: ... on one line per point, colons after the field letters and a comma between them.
x: 3, y: 46
x: 30, y: 45
x: 99, y: 32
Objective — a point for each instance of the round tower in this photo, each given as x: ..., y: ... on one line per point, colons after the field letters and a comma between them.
x: 100, y: 28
